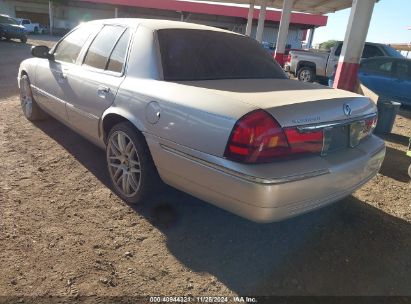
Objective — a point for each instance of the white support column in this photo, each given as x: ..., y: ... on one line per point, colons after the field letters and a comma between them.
x: 310, y: 38
x: 250, y: 18
x: 283, y: 31
x: 116, y: 12
x: 346, y: 77
x: 261, y: 19
x: 51, y: 17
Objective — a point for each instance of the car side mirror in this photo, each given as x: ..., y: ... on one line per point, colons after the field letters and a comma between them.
x: 41, y: 51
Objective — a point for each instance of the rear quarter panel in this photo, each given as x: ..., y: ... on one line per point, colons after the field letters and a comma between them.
x: 189, y: 117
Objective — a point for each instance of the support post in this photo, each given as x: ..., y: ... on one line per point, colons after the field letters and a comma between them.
x: 51, y: 17
x: 346, y: 76
x: 116, y: 12
x: 250, y: 18
x: 310, y: 38
x: 261, y: 19
x: 283, y: 31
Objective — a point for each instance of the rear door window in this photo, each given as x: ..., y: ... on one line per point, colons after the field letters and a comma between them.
x: 118, y: 55
x: 403, y: 70
x: 382, y: 67
x: 100, y: 49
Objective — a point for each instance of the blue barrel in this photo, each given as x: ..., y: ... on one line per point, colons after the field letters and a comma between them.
x: 387, y: 111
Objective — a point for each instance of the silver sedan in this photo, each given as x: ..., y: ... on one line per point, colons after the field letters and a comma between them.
x: 206, y: 111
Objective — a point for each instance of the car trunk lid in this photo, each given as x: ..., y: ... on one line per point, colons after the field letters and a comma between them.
x: 292, y: 103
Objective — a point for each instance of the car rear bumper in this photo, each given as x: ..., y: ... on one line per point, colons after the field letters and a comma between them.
x: 268, y: 200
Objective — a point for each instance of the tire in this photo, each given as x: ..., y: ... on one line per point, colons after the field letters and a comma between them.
x: 30, y: 108
x: 23, y: 39
x: 306, y: 74
x: 409, y: 171
x: 131, y: 169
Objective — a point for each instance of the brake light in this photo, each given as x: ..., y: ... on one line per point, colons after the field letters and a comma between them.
x: 369, y: 127
x: 257, y: 138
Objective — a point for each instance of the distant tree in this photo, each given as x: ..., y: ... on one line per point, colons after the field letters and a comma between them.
x: 328, y: 44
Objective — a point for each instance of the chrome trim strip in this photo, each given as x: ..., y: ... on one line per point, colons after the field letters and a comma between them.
x: 44, y: 93
x: 246, y: 177
x: 81, y: 112
x: 311, y: 127
x: 72, y: 107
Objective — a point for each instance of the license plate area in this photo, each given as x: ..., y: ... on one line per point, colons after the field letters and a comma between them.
x: 342, y: 136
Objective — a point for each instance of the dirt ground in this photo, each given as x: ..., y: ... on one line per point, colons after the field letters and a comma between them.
x: 63, y: 232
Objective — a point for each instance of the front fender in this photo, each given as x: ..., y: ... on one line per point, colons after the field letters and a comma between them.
x: 28, y: 66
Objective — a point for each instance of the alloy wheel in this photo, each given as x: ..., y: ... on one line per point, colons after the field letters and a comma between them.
x: 123, y: 163
x: 26, y: 98
x: 305, y: 76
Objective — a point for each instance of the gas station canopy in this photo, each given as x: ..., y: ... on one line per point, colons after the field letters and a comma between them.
x: 305, y: 6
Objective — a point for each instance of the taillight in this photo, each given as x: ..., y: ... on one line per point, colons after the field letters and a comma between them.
x: 369, y: 127
x: 258, y: 138
x: 287, y: 58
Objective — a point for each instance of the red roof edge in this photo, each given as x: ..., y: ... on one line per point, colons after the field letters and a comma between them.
x: 216, y: 9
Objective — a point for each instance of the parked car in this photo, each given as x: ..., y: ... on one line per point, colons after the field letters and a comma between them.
x: 30, y: 27
x: 310, y: 65
x: 10, y: 29
x: 206, y: 111
x: 388, y: 77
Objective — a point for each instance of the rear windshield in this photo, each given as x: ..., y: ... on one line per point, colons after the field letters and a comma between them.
x: 392, y: 52
x: 188, y: 54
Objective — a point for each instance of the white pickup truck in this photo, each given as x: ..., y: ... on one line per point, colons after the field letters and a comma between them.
x: 309, y: 65
x: 29, y: 26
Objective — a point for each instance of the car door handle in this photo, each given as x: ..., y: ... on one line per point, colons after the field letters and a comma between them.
x: 102, y: 91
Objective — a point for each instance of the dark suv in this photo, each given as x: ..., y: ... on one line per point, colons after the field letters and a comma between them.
x: 9, y: 28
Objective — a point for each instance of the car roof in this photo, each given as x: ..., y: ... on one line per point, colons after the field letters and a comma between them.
x: 371, y: 43
x: 158, y: 24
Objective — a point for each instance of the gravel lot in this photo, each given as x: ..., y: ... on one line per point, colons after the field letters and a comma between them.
x: 63, y: 232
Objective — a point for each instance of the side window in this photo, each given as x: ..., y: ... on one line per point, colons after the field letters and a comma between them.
x: 118, y: 56
x: 403, y: 70
x: 26, y: 22
x: 371, y: 51
x: 69, y: 48
x: 100, y: 49
x: 382, y: 67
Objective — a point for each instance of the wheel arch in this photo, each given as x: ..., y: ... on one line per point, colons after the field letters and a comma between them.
x: 309, y: 64
x: 113, y: 116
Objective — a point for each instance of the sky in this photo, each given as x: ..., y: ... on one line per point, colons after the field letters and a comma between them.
x: 389, y: 23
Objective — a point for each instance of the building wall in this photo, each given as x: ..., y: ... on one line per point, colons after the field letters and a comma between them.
x: 74, y: 12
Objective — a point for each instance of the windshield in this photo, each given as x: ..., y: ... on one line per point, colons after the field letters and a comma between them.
x: 7, y: 20
x: 188, y: 54
x: 392, y: 52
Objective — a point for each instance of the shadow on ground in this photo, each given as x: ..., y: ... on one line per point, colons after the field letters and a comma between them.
x: 396, y: 165
x: 349, y: 248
